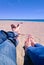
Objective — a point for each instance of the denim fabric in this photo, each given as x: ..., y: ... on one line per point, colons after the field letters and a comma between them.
x: 11, y: 36
x: 38, y: 45
x: 36, y: 54
x: 7, y: 49
x: 4, y: 60
x: 3, y: 36
x: 8, y: 35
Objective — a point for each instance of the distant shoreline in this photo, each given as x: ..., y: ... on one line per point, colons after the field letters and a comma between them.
x: 34, y: 20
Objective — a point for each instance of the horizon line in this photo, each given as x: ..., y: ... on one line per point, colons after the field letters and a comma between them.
x: 23, y: 19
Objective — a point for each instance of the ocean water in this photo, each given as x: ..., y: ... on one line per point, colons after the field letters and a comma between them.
x: 24, y: 20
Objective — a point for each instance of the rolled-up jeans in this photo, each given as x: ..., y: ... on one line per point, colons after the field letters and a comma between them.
x: 7, y: 50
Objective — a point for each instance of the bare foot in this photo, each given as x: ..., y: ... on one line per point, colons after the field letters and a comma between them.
x: 29, y: 41
x: 32, y: 40
x: 15, y: 28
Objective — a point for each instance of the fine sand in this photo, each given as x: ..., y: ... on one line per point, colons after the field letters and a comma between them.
x: 34, y: 28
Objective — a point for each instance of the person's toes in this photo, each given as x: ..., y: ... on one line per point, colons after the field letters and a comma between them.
x: 13, y: 26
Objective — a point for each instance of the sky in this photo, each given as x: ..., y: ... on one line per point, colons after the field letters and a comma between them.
x: 21, y: 9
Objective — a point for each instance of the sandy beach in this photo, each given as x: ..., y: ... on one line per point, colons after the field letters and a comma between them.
x: 34, y: 28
